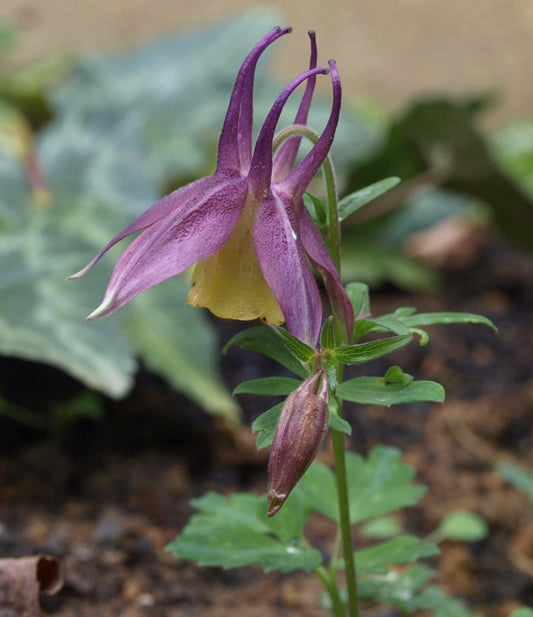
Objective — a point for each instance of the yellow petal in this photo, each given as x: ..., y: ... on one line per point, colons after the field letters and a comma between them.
x: 230, y: 282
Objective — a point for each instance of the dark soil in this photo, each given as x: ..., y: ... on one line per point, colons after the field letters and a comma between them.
x: 106, y: 498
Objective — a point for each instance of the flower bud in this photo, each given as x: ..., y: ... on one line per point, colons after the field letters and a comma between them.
x: 301, y: 428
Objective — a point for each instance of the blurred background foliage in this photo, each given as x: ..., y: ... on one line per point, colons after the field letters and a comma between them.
x: 88, y: 144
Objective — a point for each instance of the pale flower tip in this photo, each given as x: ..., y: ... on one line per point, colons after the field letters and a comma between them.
x: 76, y: 275
x: 103, y: 309
x: 275, y: 501
x: 81, y: 272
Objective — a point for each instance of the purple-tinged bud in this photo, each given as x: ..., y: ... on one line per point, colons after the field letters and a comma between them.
x: 301, y: 428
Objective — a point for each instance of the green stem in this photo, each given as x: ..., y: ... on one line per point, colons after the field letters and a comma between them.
x: 345, y: 524
x: 333, y: 241
x: 331, y: 588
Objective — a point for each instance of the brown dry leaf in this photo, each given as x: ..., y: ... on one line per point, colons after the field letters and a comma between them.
x: 21, y: 581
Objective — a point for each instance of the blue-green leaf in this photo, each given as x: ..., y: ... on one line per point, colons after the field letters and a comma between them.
x: 184, y: 351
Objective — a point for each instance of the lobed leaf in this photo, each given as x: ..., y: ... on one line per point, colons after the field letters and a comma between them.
x: 233, y: 532
x: 379, y: 484
x: 399, y: 550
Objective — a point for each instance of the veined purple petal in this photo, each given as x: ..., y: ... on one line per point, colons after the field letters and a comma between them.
x: 321, y: 259
x: 183, y: 199
x: 300, y: 177
x: 174, y: 243
x: 286, y: 155
x: 285, y: 268
x: 261, y: 167
x: 235, y: 143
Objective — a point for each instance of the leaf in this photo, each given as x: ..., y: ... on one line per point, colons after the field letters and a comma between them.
x: 170, y: 96
x: 427, y: 319
x: 233, y: 532
x: 396, y: 588
x: 522, y: 611
x: 184, y: 350
x: 316, y: 209
x: 41, y: 315
x: 265, y: 426
x: 382, y: 527
x: 318, y: 488
x: 435, y: 600
x: 359, y: 297
x: 517, y: 476
x: 298, y: 348
x: 327, y: 336
x: 95, y: 191
x: 376, y: 391
x: 337, y: 423
x: 352, y: 202
x: 399, y: 550
x: 380, y: 484
x: 379, y: 324
x: 268, y: 386
x: 266, y: 341
x: 364, y: 352
x: 462, y: 525
x: 395, y: 374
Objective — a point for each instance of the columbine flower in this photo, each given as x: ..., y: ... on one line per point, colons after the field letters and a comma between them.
x: 301, y: 428
x: 245, y: 226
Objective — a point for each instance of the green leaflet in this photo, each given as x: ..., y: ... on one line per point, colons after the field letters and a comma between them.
x: 268, y: 342
x: 402, y: 549
x: 377, y: 391
x: 379, y: 484
x: 233, y: 532
x: 364, y: 352
x: 352, y: 202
